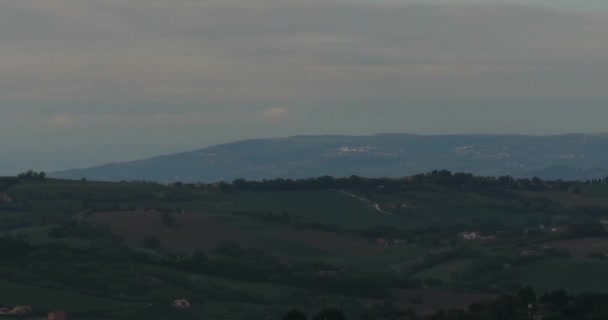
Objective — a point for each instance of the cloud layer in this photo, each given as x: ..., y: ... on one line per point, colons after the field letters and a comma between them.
x: 216, y: 70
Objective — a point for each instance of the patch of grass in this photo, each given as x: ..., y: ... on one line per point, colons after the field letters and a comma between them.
x: 48, y: 299
x: 568, y: 199
x: 325, y: 206
x: 234, y: 310
x: 35, y: 235
x: 379, y: 262
x: 302, y: 244
x: 254, y: 288
x: 444, y: 270
x: 193, y: 231
x: 595, y: 190
x: 293, y: 250
x: 569, y: 274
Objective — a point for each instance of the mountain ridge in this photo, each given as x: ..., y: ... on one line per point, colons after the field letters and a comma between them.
x: 566, y: 156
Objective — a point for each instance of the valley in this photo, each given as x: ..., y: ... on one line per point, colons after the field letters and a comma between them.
x: 255, y: 249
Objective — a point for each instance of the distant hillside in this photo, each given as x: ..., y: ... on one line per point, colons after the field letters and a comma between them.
x: 575, y: 156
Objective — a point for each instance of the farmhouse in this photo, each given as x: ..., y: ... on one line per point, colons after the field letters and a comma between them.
x: 21, y: 311
x: 473, y: 236
x: 388, y: 242
x: 57, y: 315
x: 181, y: 303
x: 402, y: 205
x: 469, y: 235
x: 559, y: 229
x: 5, y: 198
x: 381, y: 242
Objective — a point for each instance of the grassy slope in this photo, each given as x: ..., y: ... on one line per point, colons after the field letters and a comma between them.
x: 444, y: 271
x: 596, y: 190
x: 49, y: 299
x: 326, y: 206
x: 198, y: 231
x: 330, y: 207
x: 574, y: 275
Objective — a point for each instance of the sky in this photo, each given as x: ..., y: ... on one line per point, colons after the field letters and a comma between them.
x: 87, y: 82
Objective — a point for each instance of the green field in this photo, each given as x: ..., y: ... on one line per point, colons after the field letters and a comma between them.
x: 444, y: 270
x: 325, y: 206
x: 573, y: 275
x: 248, y: 254
x: 595, y: 190
x: 50, y: 299
x: 265, y: 290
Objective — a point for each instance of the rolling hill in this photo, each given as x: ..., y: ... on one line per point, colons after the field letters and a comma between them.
x: 574, y: 156
x: 255, y: 250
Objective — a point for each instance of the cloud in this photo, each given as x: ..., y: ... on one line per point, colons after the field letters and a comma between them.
x: 146, y: 56
x: 189, y: 73
x: 275, y: 114
x: 114, y: 120
x: 61, y: 120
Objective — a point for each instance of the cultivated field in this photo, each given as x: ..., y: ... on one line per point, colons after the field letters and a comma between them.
x: 325, y: 206
x: 318, y: 246
x: 331, y: 243
x: 570, y: 199
x: 434, y: 299
x: 49, y: 299
x: 198, y: 231
x: 444, y: 270
x: 575, y: 275
x: 194, y: 231
x: 582, y: 247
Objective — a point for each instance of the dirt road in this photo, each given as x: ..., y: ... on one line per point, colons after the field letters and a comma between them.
x: 373, y: 204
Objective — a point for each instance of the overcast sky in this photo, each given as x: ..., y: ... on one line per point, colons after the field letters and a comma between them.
x: 85, y: 82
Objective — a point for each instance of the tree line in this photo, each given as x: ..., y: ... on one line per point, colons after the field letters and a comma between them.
x: 437, y: 177
x: 521, y: 305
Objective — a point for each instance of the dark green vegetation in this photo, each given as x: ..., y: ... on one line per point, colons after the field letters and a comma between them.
x: 522, y: 305
x: 255, y: 250
x: 573, y: 156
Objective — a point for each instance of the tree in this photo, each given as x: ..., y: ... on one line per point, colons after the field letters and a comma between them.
x: 228, y: 248
x: 294, y: 315
x: 527, y: 295
x: 199, y: 257
x: 558, y: 297
x: 240, y: 184
x: 31, y: 174
x: 330, y: 314
x: 151, y: 242
x: 168, y: 220
x: 408, y: 314
x: 225, y: 187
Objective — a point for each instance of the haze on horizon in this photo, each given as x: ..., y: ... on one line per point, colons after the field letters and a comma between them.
x: 85, y: 82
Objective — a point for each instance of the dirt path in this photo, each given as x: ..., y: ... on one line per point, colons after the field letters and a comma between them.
x: 373, y: 204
